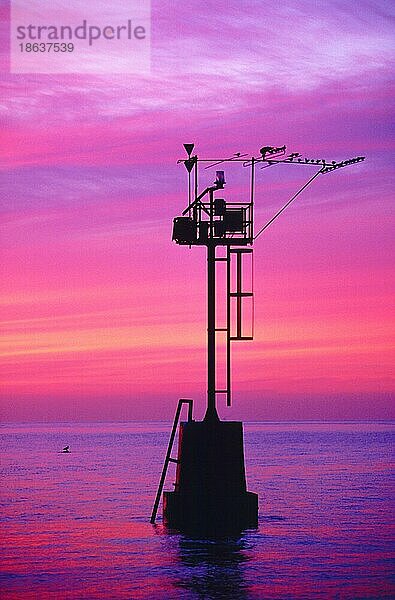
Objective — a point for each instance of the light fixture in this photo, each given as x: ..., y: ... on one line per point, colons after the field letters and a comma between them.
x: 220, y: 179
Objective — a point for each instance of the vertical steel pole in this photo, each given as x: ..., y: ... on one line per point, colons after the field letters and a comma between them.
x: 252, y: 198
x: 189, y: 193
x: 196, y: 178
x: 211, y: 413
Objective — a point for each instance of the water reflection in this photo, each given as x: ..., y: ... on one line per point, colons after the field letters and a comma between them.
x: 76, y: 525
x: 213, y: 568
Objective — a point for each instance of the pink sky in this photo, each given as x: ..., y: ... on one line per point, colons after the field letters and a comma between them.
x: 103, y: 316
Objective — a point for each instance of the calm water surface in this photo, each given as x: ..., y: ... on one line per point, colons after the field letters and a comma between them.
x: 76, y: 525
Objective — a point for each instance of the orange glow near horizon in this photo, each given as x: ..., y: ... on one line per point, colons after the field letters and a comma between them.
x: 104, y: 317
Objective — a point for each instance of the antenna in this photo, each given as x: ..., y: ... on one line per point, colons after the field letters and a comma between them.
x: 236, y: 155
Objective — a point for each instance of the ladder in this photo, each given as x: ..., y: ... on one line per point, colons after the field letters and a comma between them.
x: 169, y: 458
x: 237, y: 295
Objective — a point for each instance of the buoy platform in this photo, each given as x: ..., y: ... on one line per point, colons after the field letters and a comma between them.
x: 210, y: 488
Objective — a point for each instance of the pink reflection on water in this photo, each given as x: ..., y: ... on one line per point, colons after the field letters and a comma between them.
x: 77, y: 526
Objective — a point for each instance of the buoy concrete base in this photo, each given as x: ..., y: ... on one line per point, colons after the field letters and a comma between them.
x: 210, y: 489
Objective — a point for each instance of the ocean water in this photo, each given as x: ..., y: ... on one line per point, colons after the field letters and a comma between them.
x: 77, y: 525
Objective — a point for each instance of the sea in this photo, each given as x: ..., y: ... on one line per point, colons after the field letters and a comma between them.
x: 76, y: 525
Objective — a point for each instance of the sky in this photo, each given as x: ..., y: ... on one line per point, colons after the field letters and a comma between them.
x: 103, y: 316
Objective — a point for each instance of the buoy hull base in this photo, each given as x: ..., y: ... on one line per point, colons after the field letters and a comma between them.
x: 210, y: 489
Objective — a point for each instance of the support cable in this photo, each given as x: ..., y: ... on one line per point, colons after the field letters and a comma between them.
x: 287, y: 204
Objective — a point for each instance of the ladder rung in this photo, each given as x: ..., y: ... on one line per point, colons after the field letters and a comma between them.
x: 221, y: 329
x: 241, y: 294
x: 221, y: 391
x: 241, y: 250
x: 241, y: 338
x: 221, y: 259
x: 173, y: 460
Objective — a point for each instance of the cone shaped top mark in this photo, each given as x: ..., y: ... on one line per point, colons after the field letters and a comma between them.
x: 189, y: 148
x: 189, y: 164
